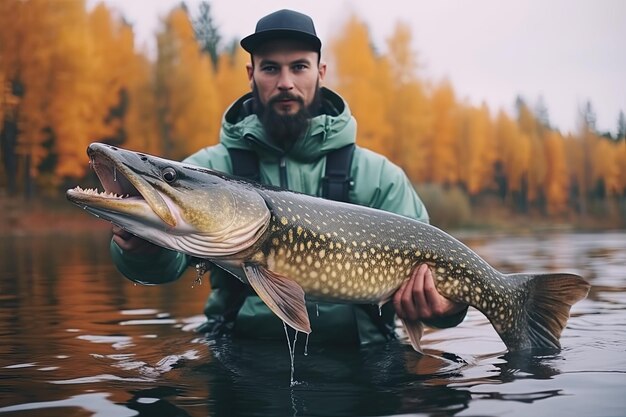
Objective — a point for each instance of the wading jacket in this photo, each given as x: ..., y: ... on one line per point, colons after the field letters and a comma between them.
x: 232, y: 307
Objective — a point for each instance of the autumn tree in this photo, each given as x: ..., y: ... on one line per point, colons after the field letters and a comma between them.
x: 513, y: 157
x: 363, y: 82
x: 475, y: 150
x: 621, y: 152
x: 443, y: 162
x: 583, y: 149
x: 207, y: 33
x: 621, y: 126
x: 139, y: 121
x: 74, y: 109
x: 557, y: 175
x: 187, y: 102
x: 231, y: 76
x: 407, y: 108
x: 55, y: 114
x: 24, y: 53
x: 536, y: 175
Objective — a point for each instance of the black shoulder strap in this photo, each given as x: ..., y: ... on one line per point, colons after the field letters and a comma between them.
x: 337, y: 182
x: 245, y: 164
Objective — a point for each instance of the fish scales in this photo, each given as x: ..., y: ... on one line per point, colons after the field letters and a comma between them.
x: 353, y: 254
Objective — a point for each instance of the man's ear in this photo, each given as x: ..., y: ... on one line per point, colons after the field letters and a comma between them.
x: 250, y: 71
x: 322, y: 70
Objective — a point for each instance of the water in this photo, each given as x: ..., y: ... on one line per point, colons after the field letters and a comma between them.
x: 78, y: 339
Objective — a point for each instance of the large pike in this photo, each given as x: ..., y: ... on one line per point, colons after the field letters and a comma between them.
x: 289, y: 246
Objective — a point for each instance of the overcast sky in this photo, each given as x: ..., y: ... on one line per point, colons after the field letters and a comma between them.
x: 565, y: 51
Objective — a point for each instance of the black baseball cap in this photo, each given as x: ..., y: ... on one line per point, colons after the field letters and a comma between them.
x: 283, y: 24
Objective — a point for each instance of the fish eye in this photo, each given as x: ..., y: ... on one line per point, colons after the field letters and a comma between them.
x: 169, y: 174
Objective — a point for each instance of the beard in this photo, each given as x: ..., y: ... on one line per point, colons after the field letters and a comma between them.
x: 285, y: 129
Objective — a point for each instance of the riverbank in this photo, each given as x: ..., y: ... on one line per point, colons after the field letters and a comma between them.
x: 18, y: 216
x: 57, y: 215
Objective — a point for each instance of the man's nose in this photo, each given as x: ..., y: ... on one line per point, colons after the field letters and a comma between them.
x: 285, y: 81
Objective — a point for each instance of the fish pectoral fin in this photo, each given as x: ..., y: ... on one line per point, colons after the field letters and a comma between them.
x: 282, y: 295
x: 414, y: 330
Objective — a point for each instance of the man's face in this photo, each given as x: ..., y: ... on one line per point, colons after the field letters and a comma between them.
x: 286, y: 75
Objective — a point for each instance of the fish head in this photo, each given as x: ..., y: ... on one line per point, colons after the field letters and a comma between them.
x: 175, y: 205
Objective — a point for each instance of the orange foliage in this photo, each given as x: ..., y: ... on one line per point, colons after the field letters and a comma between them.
x: 231, y: 77
x: 557, y: 178
x: 513, y: 149
x: 71, y: 77
x: 186, y: 89
x: 442, y: 166
x: 408, y: 110
x: 361, y: 77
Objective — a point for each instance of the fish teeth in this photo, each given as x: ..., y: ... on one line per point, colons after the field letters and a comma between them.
x: 94, y: 191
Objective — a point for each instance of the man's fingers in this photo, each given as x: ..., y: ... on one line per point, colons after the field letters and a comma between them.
x: 131, y: 243
x: 419, y: 299
x: 121, y: 242
x: 437, y: 303
x: 397, y: 300
x: 407, y: 301
x: 118, y: 231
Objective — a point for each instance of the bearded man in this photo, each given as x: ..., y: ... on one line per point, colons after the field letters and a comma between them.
x: 285, y: 133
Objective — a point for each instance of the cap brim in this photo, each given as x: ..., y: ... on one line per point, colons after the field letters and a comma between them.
x: 253, y: 42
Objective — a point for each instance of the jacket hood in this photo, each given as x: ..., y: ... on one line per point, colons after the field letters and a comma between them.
x: 334, y: 128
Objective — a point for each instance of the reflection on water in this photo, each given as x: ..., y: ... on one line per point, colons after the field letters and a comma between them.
x: 77, y: 338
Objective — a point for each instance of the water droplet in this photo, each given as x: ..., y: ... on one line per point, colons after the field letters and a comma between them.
x: 317, y: 309
x: 291, y: 352
x: 306, y: 345
x: 115, y: 174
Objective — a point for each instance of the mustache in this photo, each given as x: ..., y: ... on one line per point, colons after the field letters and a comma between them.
x: 285, y: 96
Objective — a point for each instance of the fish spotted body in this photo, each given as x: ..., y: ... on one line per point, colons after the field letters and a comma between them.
x: 290, y: 247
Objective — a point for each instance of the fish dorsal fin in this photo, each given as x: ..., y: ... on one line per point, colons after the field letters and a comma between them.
x: 414, y: 330
x: 283, y: 296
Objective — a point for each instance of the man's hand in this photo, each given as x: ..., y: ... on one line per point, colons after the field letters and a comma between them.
x: 131, y: 243
x: 418, y: 299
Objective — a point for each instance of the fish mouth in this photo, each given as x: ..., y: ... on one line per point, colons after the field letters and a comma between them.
x: 125, y: 192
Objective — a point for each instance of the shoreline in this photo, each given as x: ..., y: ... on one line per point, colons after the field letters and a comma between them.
x: 42, y: 216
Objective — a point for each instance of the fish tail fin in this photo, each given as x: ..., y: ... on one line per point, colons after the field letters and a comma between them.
x: 541, y: 309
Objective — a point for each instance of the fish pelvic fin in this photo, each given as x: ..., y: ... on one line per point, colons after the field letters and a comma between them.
x: 544, y: 310
x: 281, y: 295
x: 414, y: 331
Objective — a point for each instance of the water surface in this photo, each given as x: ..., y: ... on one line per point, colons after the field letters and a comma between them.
x: 76, y: 338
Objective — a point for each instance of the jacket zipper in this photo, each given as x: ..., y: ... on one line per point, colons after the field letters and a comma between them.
x: 282, y: 166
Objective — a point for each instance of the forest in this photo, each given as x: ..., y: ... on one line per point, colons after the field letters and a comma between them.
x: 73, y: 75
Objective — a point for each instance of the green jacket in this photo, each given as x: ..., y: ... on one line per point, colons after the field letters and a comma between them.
x: 377, y: 183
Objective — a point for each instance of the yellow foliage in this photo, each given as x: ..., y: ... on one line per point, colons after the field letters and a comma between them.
x: 445, y: 126
x: 70, y: 77
x: 621, y: 164
x: 557, y: 176
x: 362, y: 78
x: 186, y: 90
x: 408, y: 110
x: 475, y: 150
x: 513, y: 149
x: 231, y: 77
x: 605, y: 163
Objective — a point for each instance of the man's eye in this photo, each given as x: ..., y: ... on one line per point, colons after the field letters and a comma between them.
x: 299, y: 67
x: 269, y: 69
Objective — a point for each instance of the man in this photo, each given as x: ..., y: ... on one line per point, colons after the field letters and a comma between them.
x: 290, y: 124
